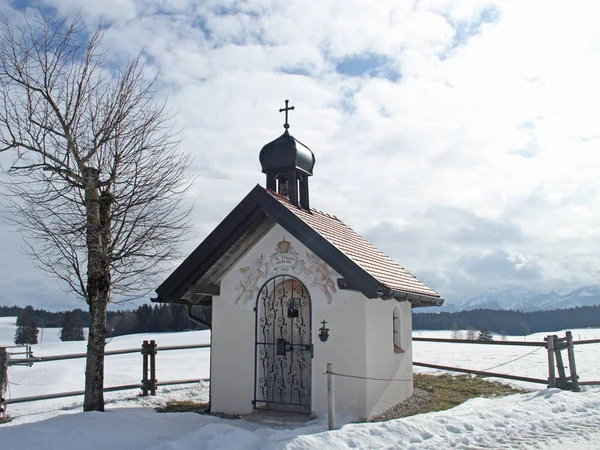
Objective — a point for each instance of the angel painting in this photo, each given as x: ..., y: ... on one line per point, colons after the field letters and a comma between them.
x: 249, y: 280
x: 321, y: 274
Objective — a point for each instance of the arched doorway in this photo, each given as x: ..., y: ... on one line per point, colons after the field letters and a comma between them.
x: 283, y: 346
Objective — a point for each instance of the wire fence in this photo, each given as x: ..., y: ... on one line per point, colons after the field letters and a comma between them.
x: 512, y: 360
x: 557, y: 374
x: 345, y: 375
x: 552, y: 343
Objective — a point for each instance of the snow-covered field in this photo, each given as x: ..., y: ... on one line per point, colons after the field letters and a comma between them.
x: 542, y: 419
x: 493, y: 357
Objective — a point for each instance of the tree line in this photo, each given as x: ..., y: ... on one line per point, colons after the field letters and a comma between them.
x: 172, y: 318
x: 144, y: 319
x: 516, y: 323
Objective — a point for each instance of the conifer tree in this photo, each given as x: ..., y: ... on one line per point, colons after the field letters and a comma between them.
x: 485, y: 334
x: 72, y: 328
x: 27, y: 331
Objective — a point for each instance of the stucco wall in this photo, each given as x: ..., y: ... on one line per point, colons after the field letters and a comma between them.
x: 232, y: 358
x: 382, y: 362
x: 346, y: 350
x: 360, y: 342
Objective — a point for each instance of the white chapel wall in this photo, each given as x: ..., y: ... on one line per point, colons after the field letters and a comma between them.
x: 346, y: 350
x: 232, y: 358
x: 382, y: 361
x: 233, y: 342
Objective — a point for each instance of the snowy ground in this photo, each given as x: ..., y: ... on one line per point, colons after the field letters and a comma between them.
x: 542, y: 419
x: 532, y: 362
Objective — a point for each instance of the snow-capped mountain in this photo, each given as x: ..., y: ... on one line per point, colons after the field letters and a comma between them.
x: 524, y: 299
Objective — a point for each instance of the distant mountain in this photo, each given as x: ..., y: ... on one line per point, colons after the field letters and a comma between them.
x: 524, y: 299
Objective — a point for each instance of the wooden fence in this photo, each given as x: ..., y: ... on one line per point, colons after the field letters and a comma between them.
x: 149, y: 350
x: 552, y: 343
x: 148, y: 385
x: 24, y: 349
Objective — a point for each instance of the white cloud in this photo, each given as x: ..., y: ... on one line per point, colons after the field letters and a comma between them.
x: 494, y: 113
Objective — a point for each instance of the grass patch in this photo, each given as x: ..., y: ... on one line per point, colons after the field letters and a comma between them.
x: 184, y: 406
x: 195, y: 407
x: 449, y: 391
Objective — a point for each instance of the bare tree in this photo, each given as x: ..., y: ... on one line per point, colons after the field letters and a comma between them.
x: 98, y: 182
x: 456, y: 332
x: 471, y: 333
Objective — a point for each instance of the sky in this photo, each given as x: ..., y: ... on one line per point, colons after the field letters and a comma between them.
x: 460, y: 137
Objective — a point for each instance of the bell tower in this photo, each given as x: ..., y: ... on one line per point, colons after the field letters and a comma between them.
x: 288, y: 163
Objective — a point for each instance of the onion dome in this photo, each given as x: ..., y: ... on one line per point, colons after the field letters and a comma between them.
x: 286, y: 152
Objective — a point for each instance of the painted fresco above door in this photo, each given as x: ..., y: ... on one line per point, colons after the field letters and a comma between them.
x: 278, y: 254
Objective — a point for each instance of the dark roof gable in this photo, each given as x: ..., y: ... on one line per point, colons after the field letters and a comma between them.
x: 360, y: 263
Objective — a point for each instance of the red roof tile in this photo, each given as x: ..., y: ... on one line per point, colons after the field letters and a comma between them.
x: 359, y: 250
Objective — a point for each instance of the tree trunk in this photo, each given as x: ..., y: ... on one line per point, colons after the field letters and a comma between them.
x: 98, y: 285
x: 94, y: 370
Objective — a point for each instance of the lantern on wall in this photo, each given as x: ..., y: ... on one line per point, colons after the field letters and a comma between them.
x: 323, y: 332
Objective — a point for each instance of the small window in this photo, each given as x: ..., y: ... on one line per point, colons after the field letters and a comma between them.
x: 397, y: 327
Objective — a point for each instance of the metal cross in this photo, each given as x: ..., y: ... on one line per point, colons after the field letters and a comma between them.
x: 286, y: 109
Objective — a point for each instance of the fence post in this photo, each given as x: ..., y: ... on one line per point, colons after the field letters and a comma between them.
x: 330, y: 397
x: 560, y: 366
x: 551, y: 372
x: 572, y: 368
x: 145, y: 383
x: 153, y: 367
x: 3, y: 380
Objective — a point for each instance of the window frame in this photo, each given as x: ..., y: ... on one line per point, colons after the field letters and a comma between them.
x: 397, y: 340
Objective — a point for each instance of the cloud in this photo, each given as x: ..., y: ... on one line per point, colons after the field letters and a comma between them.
x: 500, y: 266
x: 456, y: 251
x: 454, y: 134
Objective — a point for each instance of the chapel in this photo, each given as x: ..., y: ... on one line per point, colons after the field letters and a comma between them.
x: 289, y: 289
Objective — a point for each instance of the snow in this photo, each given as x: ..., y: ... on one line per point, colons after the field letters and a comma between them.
x: 541, y: 419
x: 486, y: 357
x: 66, y: 376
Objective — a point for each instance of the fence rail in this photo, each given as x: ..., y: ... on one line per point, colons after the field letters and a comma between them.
x: 552, y: 343
x: 149, y: 382
x: 40, y: 359
x: 481, y: 373
x: 149, y: 349
x: 124, y: 387
x: 480, y: 342
x: 587, y: 341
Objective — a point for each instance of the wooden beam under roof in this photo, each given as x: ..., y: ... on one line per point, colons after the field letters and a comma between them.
x: 205, y: 289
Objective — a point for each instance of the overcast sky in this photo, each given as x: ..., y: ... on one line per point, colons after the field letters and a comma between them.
x: 461, y: 137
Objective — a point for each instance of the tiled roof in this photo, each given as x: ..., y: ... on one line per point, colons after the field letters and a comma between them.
x: 359, y: 250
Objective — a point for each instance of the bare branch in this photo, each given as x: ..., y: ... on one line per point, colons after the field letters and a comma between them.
x: 96, y: 183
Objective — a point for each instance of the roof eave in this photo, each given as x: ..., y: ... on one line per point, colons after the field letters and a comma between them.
x: 187, y: 272
x: 417, y: 300
x: 385, y: 293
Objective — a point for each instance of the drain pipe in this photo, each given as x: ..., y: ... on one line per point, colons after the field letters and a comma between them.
x: 198, y: 320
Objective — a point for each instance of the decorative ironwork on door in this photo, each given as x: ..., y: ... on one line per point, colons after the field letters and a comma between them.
x: 283, y: 346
